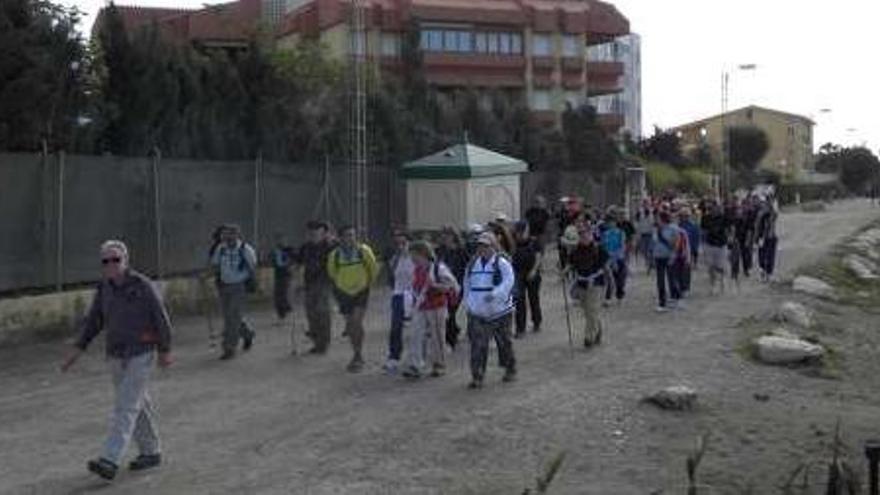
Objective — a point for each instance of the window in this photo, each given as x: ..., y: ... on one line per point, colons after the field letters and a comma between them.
x: 504, y: 43
x: 358, y: 43
x: 541, y: 45
x: 540, y: 99
x: 465, y: 41
x: 390, y: 45
x: 571, y: 46
x: 516, y: 44
x: 450, y: 41
x: 432, y: 40
x: 492, y: 42
x: 480, y: 44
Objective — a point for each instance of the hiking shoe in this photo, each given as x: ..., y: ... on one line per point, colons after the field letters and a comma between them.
x: 355, y: 366
x: 143, y: 462
x: 227, y: 355
x: 476, y: 384
x: 509, y: 376
x: 103, y: 468
x: 391, y: 367
x: 412, y: 373
x: 248, y: 342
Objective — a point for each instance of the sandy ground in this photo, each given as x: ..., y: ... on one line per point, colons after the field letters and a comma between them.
x: 271, y: 423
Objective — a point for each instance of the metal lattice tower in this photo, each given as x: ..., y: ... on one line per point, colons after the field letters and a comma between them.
x: 357, y: 123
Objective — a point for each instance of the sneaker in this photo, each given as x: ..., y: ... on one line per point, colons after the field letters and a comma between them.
x: 317, y: 351
x: 509, y: 376
x: 227, y: 355
x: 103, y: 468
x: 680, y: 306
x: 411, y: 372
x: 143, y: 462
x: 356, y: 365
x: 391, y: 366
x: 438, y: 371
x: 661, y: 309
x: 519, y: 334
x: 476, y: 384
x: 248, y: 342
x: 536, y: 328
x: 606, y: 303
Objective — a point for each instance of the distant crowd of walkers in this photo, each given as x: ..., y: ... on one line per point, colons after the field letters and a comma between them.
x: 494, y: 271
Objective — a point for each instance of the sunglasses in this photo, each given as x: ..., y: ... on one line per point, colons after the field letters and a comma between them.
x: 107, y: 261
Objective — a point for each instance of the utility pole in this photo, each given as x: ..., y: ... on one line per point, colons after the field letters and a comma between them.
x: 358, y: 119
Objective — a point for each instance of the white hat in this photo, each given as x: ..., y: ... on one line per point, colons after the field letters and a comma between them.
x: 486, y: 239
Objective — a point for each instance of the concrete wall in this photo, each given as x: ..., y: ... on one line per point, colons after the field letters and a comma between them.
x: 58, y: 315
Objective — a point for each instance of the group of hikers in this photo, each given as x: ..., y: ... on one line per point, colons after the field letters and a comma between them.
x: 494, y: 271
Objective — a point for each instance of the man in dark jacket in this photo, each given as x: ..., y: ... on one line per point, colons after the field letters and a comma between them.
x: 129, y: 308
x: 313, y: 257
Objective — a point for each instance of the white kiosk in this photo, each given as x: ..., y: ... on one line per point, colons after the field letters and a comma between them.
x: 460, y: 186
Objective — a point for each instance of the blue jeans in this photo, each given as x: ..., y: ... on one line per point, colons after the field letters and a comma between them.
x: 395, y: 337
x: 133, y: 414
x: 666, y: 277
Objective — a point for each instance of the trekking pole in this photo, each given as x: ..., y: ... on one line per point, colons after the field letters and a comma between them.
x: 206, y: 308
x: 567, y: 315
x: 291, y: 336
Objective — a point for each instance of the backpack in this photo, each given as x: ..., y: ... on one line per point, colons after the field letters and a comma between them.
x: 497, y: 276
x: 250, y: 284
x: 336, y: 255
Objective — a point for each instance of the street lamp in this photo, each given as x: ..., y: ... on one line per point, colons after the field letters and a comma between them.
x: 725, y: 145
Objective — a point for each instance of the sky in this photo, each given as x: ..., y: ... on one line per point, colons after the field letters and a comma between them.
x: 809, y: 55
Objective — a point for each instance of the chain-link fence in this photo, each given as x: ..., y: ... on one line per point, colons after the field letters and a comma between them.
x: 56, y: 209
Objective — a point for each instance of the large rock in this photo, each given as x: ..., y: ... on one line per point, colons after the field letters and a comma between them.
x: 675, y: 398
x: 861, y: 267
x: 796, y: 314
x: 776, y: 349
x: 814, y: 287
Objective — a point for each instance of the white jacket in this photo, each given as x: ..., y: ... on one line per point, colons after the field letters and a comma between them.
x: 482, y: 298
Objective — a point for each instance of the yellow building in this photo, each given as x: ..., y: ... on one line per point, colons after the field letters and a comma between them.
x: 790, y: 137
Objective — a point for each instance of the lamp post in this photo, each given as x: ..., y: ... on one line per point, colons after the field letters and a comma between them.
x: 725, y: 144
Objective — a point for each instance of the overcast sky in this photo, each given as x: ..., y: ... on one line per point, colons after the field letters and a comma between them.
x: 810, y: 55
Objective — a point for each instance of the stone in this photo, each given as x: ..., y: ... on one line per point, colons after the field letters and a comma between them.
x: 814, y: 287
x: 674, y: 398
x: 796, y: 314
x: 772, y: 349
x: 861, y: 267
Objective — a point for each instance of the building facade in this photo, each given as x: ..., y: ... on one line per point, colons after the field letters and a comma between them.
x: 790, y: 137
x: 535, y: 48
x: 626, y: 50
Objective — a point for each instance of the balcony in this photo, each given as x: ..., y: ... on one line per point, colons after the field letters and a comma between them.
x: 610, y: 122
x: 604, y: 68
x: 475, y: 61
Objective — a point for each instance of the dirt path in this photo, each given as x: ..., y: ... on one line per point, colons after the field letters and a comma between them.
x: 269, y: 423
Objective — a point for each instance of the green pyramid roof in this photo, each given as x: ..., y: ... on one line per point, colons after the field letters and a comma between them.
x: 463, y: 161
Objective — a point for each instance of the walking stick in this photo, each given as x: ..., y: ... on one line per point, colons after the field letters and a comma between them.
x: 567, y: 315
x: 291, y: 336
x: 206, y: 309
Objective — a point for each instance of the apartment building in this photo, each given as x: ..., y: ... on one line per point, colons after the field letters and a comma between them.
x: 790, y: 136
x: 534, y: 48
x: 628, y: 51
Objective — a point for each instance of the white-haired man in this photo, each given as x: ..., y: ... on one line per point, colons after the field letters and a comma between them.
x: 130, y: 310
